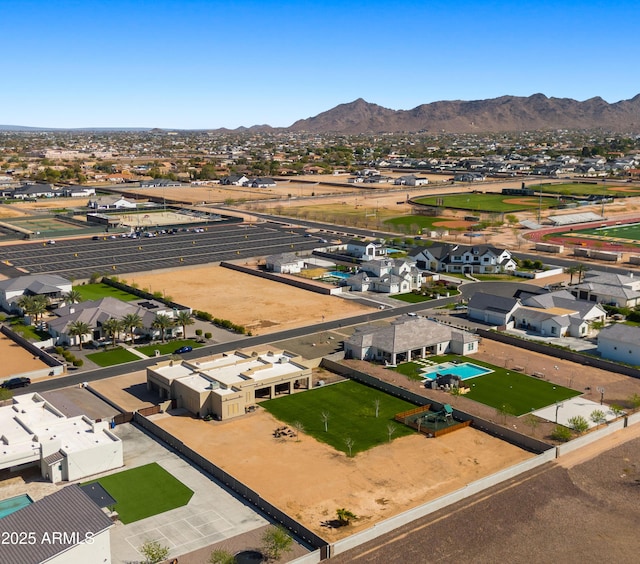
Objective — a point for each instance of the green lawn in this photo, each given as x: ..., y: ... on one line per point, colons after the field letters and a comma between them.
x: 28, y: 331
x: 578, y: 189
x: 488, y: 202
x: 351, y: 410
x: 504, y: 387
x: 411, y: 370
x: 99, y: 291
x: 145, y: 491
x: 168, y: 348
x: 112, y: 357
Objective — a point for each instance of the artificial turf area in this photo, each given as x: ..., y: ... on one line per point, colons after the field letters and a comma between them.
x: 99, y: 291
x: 168, y: 348
x: 513, y: 392
x: 112, y: 357
x: 586, y: 189
x: 630, y: 232
x: 351, y: 410
x: 144, y: 491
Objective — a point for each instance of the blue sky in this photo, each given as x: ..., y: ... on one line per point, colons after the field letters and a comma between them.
x: 207, y: 64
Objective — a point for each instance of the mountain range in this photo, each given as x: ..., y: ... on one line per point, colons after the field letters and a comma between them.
x: 507, y: 113
x: 503, y: 114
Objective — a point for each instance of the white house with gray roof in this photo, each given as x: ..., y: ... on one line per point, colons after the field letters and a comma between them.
x: 609, y: 288
x: 448, y: 257
x: 407, y: 338
x: 620, y: 343
x: 389, y: 276
x: 51, y: 286
x: 494, y: 310
x: 285, y: 263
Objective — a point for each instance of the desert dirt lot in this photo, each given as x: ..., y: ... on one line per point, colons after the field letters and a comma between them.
x: 15, y: 359
x: 262, y: 306
x: 310, y: 480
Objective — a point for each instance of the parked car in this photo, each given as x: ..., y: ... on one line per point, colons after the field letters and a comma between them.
x: 12, y: 383
x: 184, y: 349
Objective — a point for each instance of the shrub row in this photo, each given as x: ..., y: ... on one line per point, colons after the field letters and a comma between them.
x: 224, y: 323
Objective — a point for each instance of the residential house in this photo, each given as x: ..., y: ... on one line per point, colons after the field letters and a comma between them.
x: 366, y: 250
x: 389, y: 276
x: 407, y: 338
x: 478, y: 259
x: 229, y: 384
x: 620, y: 343
x: 608, y: 288
x: 36, y: 191
x: 411, y: 180
x: 95, y: 312
x: 285, y: 263
x: 494, y: 310
x: 262, y: 182
x: 63, y: 527
x: 78, y: 191
x: 558, y: 314
x: 111, y: 203
x: 51, y: 286
x: 234, y: 180
x: 65, y: 448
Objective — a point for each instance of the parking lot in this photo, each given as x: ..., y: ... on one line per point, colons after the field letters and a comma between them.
x: 80, y: 258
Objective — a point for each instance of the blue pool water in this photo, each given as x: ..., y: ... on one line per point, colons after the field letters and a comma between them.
x: 9, y: 506
x: 464, y: 370
x: 338, y: 274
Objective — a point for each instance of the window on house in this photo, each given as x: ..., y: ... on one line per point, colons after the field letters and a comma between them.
x: 553, y: 330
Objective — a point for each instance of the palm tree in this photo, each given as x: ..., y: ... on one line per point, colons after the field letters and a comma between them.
x: 571, y: 271
x: 183, y: 317
x: 26, y: 304
x: 163, y: 322
x: 581, y: 270
x: 78, y: 329
x: 112, y: 327
x: 40, y: 304
x: 73, y: 297
x: 131, y: 322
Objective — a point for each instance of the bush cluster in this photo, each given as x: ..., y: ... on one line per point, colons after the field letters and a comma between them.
x: 224, y: 323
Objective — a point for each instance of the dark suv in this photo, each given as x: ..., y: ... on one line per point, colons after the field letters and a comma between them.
x: 15, y: 383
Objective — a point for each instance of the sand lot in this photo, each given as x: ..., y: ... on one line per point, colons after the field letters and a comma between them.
x: 15, y: 359
x: 310, y: 480
x: 263, y: 306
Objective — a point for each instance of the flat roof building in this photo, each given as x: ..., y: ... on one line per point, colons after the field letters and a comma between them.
x: 228, y: 385
x: 33, y: 431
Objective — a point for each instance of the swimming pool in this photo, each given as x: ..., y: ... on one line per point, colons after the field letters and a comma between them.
x: 338, y: 274
x: 465, y: 370
x: 13, y: 504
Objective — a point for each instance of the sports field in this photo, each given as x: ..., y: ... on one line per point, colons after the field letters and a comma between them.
x: 500, y: 203
x: 630, y: 232
x: 351, y: 414
x: 587, y: 189
x: 144, y: 491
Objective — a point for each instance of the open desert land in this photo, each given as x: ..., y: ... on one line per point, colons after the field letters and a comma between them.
x: 15, y: 359
x: 309, y: 480
x: 44, y: 204
x: 262, y: 306
x: 8, y: 212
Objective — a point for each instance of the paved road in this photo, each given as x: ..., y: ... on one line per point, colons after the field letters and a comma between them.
x: 76, y: 377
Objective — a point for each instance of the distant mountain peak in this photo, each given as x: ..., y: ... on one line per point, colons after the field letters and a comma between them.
x: 506, y: 113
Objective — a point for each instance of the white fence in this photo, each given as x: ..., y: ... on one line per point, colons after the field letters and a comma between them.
x: 591, y: 437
